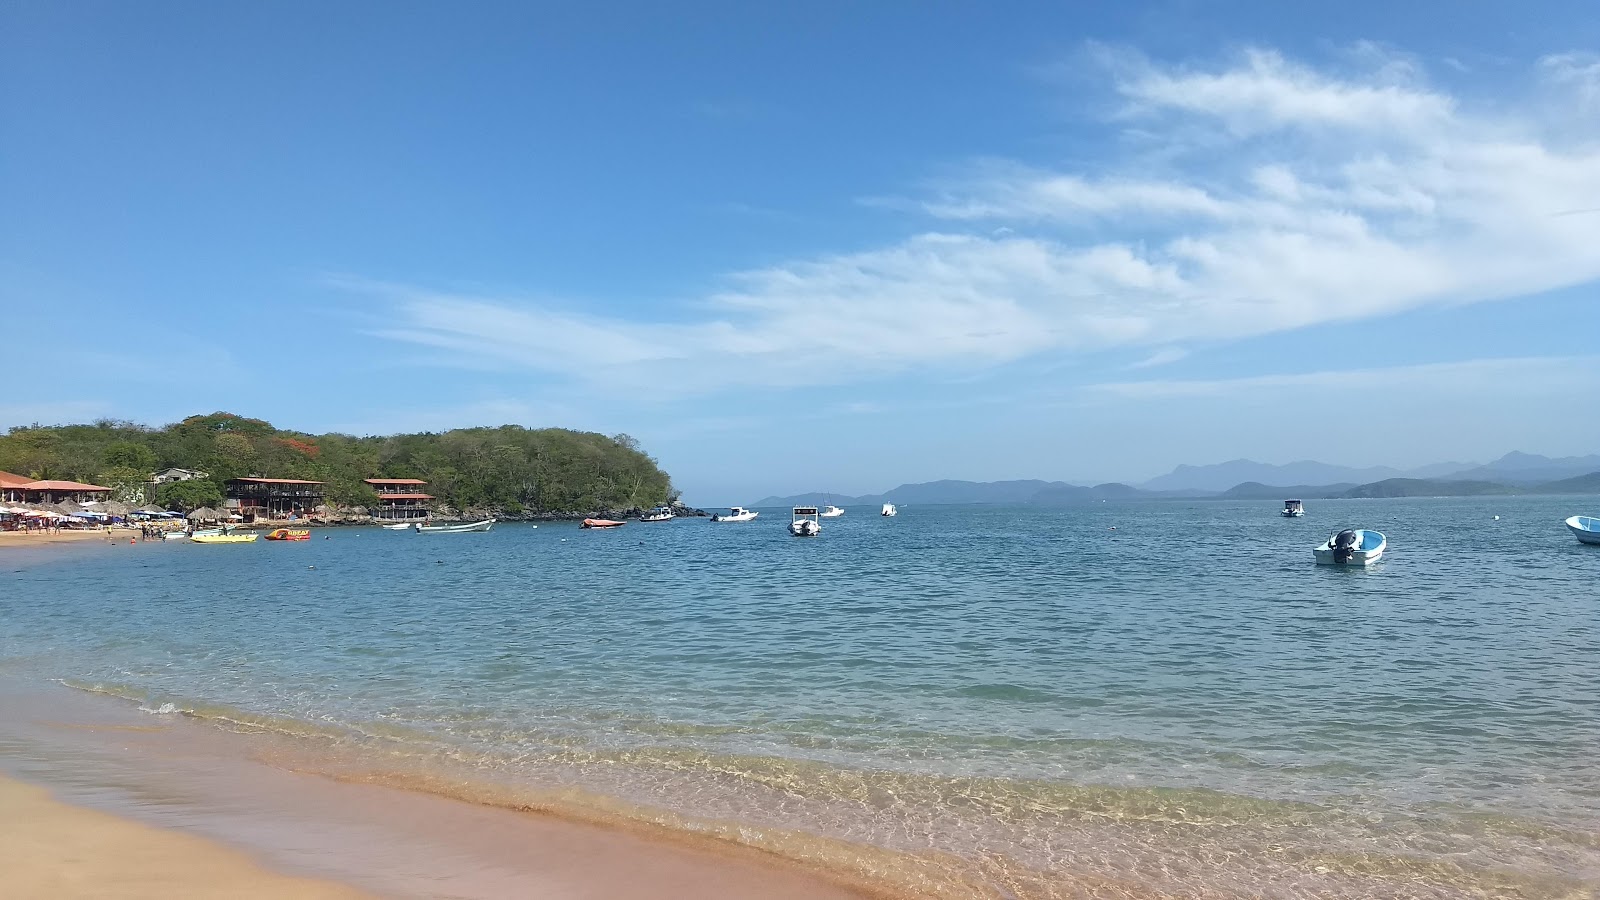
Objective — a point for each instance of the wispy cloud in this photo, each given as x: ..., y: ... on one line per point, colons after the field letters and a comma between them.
x: 1522, y: 376
x: 1284, y: 197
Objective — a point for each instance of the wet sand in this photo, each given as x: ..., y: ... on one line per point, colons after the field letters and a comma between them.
x: 131, y: 786
x: 51, y: 850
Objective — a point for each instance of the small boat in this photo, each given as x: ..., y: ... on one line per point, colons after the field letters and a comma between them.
x: 737, y: 514
x: 176, y: 536
x: 807, y: 522
x: 398, y: 526
x: 224, y: 538
x: 830, y: 512
x: 1585, y: 528
x: 889, y: 510
x: 602, y: 523
x: 465, y: 528
x: 1351, y: 547
x: 288, y: 534
x: 659, y: 514
x: 1293, y: 509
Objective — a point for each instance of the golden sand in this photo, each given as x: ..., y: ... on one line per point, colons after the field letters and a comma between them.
x: 51, y: 850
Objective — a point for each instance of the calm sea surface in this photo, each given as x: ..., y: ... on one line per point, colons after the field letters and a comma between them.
x: 1140, y: 699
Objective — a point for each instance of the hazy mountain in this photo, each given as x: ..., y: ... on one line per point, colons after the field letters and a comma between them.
x: 930, y: 492
x: 1255, y: 490
x: 1068, y: 494
x: 1423, y: 487
x: 1243, y: 479
x: 1530, y: 469
x: 1583, y: 484
x: 1222, y: 476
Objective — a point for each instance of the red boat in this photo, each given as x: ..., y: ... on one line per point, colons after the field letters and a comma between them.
x: 289, y: 534
x: 602, y: 523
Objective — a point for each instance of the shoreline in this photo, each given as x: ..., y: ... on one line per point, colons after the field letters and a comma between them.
x: 166, y: 782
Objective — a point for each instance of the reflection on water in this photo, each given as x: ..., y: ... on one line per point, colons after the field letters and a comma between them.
x: 1017, y: 698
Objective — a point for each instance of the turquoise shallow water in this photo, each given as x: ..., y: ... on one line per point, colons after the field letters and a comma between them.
x: 1024, y: 700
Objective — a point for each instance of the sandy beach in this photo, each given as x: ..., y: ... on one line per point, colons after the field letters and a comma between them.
x: 41, y: 538
x: 50, y: 849
x: 115, y: 803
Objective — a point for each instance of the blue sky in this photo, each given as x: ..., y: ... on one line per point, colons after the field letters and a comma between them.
x: 836, y: 247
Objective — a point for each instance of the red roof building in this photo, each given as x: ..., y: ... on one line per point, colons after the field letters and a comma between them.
x: 400, y: 498
x: 55, y: 491
x: 11, y: 487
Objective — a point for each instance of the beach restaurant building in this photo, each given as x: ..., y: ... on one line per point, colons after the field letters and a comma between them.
x: 272, y: 497
x: 400, y: 498
x: 16, y: 489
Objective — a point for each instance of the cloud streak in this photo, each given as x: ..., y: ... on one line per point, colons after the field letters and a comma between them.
x: 1284, y: 197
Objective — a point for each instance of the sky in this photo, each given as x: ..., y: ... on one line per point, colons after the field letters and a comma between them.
x: 833, y: 247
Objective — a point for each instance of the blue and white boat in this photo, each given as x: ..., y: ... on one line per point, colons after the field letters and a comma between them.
x: 1585, y: 528
x: 1351, y: 547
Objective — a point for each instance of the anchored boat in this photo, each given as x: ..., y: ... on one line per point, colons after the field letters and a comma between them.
x: 602, y: 523
x: 1293, y: 509
x: 889, y: 510
x: 466, y: 528
x: 737, y: 514
x: 806, y: 523
x: 289, y: 534
x: 1585, y: 528
x: 1351, y: 547
x: 659, y: 514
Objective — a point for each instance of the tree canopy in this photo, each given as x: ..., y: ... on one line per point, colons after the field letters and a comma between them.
x: 509, y: 467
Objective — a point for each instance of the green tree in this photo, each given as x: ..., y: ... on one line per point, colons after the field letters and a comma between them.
x: 189, y: 495
x: 128, y: 455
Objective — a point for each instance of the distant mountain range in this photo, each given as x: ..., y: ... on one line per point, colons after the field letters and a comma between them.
x: 1242, y: 479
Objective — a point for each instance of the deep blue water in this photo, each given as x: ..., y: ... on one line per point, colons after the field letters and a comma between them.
x: 1168, y: 691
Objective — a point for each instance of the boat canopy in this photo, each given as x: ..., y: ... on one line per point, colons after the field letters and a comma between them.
x: 805, y: 510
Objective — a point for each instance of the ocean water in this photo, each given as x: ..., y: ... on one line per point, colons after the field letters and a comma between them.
x: 1151, y: 699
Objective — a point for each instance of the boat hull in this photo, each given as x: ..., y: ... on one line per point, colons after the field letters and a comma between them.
x: 287, y: 534
x: 1369, y: 549
x: 470, y: 528
x: 1294, y: 514
x: 1586, y: 529
x: 602, y: 523
x: 743, y: 517
x: 224, y: 538
x: 805, y: 529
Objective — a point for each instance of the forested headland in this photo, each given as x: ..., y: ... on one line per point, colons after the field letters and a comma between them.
x: 510, y: 469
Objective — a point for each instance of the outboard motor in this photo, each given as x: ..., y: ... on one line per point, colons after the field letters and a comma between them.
x: 1344, y: 546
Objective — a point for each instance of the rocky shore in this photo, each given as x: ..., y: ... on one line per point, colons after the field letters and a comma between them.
x: 352, y: 516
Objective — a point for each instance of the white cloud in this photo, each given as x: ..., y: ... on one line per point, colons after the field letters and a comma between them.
x: 1284, y: 198
x: 1522, y: 377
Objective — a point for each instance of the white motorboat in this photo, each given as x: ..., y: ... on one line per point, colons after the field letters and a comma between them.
x: 1293, y: 509
x: 1351, y: 547
x: 463, y: 528
x: 889, y: 510
x: 398, y: 526
x: 831, y: 512
x: 177, y: 536
x: 737, y: 514
x: 807, y: 522
x: 659, y: 514
x: 1585, y: 528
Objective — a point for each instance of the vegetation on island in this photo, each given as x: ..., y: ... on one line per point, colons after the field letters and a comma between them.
x: 509, y: 468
